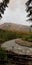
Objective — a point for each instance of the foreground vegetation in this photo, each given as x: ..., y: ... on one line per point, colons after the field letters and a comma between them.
x: 9, y: 35
x: 4, y: 57
x: 14, y: 59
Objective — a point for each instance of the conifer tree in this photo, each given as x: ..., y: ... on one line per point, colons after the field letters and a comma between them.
x: 29, y: 9
x: 3, y: 6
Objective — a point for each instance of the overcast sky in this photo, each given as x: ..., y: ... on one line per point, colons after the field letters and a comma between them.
x: 15, y: 13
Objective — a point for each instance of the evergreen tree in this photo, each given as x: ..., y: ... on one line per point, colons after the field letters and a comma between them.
x: 29, y: 9
x: 3, y: 5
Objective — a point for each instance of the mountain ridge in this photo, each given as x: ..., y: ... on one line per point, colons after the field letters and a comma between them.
x: 15, y: 27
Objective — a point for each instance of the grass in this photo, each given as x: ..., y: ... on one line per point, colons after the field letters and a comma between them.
x: 9, y: 35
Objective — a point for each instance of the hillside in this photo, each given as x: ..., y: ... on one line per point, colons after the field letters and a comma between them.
x: 15, y: 27
x: 10, y: 31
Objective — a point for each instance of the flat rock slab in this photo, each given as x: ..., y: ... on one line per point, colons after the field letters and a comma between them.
x: 23, y: 42
x: 16, y: 48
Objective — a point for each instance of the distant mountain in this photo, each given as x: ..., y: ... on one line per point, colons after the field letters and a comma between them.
x: 15, y: 27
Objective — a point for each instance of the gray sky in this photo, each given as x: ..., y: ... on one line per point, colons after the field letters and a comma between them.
x: 15, y: 13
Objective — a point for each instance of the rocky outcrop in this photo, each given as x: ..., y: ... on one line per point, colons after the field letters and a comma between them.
x: 17, y: 48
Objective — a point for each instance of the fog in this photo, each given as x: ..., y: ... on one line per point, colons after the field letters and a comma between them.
x: 15, y: 13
